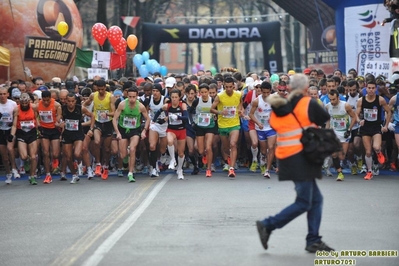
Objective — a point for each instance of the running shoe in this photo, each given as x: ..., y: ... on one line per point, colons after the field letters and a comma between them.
x: 208, y: 173
x: 204, y: 159
x: 8, y: 179
x: 368, y: 176
x: 266, y: 174
x: 172, y: 164
x: 54, y: 164
x: 232, y: 174
x: 32, y: 180
x: 104, y: 175
x: 145, y: 170
x: 48, y: 179
x: 354, y: 169
x: 359, y: 164
x: 120, y: 173
x: 375, y: 170
x: 154, y: 173
x: 56, y: 171
x: 80, y: 169
x: 253, y: 167
x: 195, y: 171
x: 90, y: 173
x: 226, y: 167
x: 363, y: 169
x: 164, y: 159
x: 340, y: 176
x: 262, y: 169
x: 180, y: 175
x: 27, y: 165
x: 392, y: 167
x: 97, y: 172
x: 63, y: 176
x: 15, y: 173
x: 213, y: 168
x: 22, y: 170
x: 381, y: 158
x: 75, y: 179
x: 130, y: 177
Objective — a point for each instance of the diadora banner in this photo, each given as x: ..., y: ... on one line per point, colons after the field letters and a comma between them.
x: 365, y: 39
x: 267, y: 33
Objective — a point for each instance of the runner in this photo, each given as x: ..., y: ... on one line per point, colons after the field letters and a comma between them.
x: 228, y: 106
x: 371, y: 126
x: 260, y: 114
x: 7, y: 140
x: 205, y: 126
x: 73, y: 135
x: 127, y: 125
x: 342, y: 120
x: 103, y: 109
x: 25, y: 129
x: 49, y: 121
x: 176, y: 112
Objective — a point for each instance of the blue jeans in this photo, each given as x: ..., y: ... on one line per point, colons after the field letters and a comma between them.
x: 308, y: 199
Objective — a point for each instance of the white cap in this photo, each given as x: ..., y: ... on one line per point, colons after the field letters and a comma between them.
x: 38, y: 93
x: 170, y: 82
x: 149, y: 78
x: 256, y: 83
x: 394, y: 77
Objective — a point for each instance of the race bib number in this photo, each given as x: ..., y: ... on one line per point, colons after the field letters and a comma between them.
x: 71, y: 125
x: 102, y: 116
x: 204, y: 119
x: 46, y: 116
x: 27, y: 125
x: 231, y: 111
x: 5, y: 121
x: 264, y: 120
x: 130, y: 122
x: 370, y: 114
x: 175, y: 121
x: 339, y: 124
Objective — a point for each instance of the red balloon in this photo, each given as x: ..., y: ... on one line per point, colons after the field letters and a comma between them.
x: 114, y: 35
x: 99, y: 32
x: 120, y: 48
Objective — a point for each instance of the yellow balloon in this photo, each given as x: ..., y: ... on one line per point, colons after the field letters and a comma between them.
x: 62, y: 28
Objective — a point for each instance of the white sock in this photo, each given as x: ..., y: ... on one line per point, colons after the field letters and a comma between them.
x: 180, y: 161
x: 254, y: 154
x: 369, y: 162
x: 171, y: 150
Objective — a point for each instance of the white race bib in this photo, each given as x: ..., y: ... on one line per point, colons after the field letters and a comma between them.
x: 71, y: 125
x: 370, y: 114
x: 204, y: 119
x: 175, y: 122
x: 130, y: 122
x: 27, y: 125
x: 231, y: 111
x: 102, y: 116
x: 46, y: 116
x: 339, y: 124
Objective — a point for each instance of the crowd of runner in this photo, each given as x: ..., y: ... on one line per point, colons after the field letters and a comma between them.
x: 189, y: 123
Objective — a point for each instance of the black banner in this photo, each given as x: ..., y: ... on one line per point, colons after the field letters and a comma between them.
x: 49, y: 50
x: 267, y: 33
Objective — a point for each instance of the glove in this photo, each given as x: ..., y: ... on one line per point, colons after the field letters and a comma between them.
x: 10, y: 138
x: 347, y: 134
x: 173, y: 117
x: 391, y: 126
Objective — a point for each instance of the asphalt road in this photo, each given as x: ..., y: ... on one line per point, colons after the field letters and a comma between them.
x: 197, y: 221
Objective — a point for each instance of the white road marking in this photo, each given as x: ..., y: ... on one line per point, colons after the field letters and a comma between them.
x: 106, y: 246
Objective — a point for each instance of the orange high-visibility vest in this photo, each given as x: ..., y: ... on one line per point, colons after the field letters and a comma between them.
x: 289, y: 132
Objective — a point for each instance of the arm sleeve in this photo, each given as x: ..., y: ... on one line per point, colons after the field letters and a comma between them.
x: 156, y: 115
x: 184, y: 116
x: 192, y: 108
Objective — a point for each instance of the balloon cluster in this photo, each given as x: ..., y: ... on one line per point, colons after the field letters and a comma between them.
x: 115, y: 36
x: 197, y: 67
x: 147, y: 66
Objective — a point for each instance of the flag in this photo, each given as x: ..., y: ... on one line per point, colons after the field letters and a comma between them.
x: 4, y: 56
x: 131, y: 21
x: 99, y: 59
